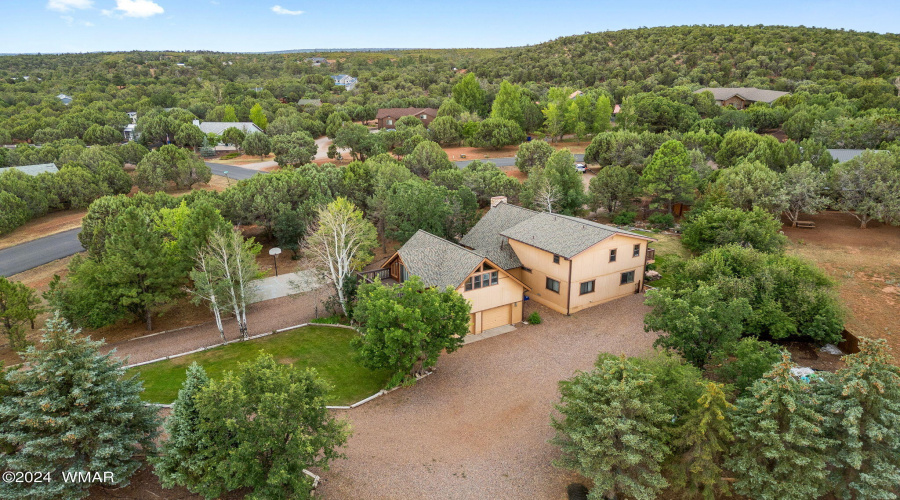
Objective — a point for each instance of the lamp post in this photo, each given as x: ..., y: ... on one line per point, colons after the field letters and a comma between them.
x: 274, y: 251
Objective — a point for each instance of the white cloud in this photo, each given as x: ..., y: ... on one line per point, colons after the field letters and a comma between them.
x: 284, y: 12
x: 67, y: 5
x: 135, y: 8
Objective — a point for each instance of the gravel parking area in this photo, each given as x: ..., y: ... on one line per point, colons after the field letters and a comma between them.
x: 479, y: 426
x: 261, y: 317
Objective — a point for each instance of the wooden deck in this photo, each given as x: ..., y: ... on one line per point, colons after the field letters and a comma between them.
x: 383, y: 274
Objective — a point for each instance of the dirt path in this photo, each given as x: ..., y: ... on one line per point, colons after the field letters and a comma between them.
x: 479, y: 426
x: 261, y: 317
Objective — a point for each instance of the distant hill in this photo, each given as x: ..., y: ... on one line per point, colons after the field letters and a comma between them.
x: 707, y: 55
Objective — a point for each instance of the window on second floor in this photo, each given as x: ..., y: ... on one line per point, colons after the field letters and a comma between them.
x: 637, y: 251
x: 552, y: 285
x: 627, y: 278
x: 612, y: 255
x: 482, y: 280
x: 556, y: 259
x: 424, y: 117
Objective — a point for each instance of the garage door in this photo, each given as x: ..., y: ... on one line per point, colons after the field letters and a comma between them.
x: 495, y: 317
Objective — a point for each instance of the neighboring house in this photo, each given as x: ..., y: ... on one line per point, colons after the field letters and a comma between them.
x: 842, y: 155
x: 317, y: 61
x: 65, y: 99
x: 34, y: 169
x: 575, y: 94
x: 346, y: 81
x: 309, y: 102
x: 568, y: 263
x: 133, y: 116
x: 387, y: 117
x: 496, y: 295
x: 742, y: 97
x: 130, y: 133
x: 219, y: 127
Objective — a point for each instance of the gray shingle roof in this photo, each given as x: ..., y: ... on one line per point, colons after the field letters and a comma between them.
x: 748, y: 93
x: 562, y: 235
x: 437, y: 261
x: 486, y: 239
x: 34, y: 169
x: 219, y: 127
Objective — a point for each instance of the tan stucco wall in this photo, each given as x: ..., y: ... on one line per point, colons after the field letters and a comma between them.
x: 542, y: 267
x: 592, y: 264
x: 506, y: 291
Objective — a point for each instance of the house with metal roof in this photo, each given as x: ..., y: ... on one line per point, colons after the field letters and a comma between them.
x: 569, y: 263
x: 742, y: 97
x: 219, y: 127
x: 64, y: 99
x: 842, y: 155
x: 346, y: 81
x: 496, y: 296
x: 34, y: 169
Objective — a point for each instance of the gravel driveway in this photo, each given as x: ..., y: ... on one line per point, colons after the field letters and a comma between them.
x: 479, y: 426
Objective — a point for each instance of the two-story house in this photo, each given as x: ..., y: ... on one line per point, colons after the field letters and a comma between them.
x: 346, y: 81
x: 495, y: 295
x: 569, y: 263
x: 565, y: 263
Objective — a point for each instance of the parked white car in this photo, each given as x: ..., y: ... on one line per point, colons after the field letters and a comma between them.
x: 580, y: 167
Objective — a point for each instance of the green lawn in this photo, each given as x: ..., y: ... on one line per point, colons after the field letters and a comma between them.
x: 324, y: 348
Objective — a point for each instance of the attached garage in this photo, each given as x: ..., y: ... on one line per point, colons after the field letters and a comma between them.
x: 498, y: 316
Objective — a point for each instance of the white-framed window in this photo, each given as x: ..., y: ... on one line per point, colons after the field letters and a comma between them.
x: 390, y: 122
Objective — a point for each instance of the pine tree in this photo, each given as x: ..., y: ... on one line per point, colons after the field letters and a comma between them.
x: 865, y: 412
x: 781, y: 449
x: 184, y: 457
x: 18, y: 305
x: 701, y: 443
x: 613, y: 429
x: 70, y: 410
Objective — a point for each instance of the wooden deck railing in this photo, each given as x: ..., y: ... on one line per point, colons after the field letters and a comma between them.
x: 369, y: 276
x: 651, y: 255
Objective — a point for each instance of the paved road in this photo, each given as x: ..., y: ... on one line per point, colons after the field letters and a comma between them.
x: 25, y: 256
x: 503, y: 162
x: 234, y: 172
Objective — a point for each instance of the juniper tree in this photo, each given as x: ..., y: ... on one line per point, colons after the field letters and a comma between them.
x: 264, y: 425
x: 701, y: 444
x: 781, y: 449
x: 18, y: 305
x: 864, y: 408
x: 184, y: 457
x: 72, y: 410
x: 612, y: 429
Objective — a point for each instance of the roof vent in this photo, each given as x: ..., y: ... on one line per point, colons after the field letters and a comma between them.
x: 496, y: 200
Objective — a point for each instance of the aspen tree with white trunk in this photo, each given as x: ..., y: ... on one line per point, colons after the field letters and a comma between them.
x: 232, y: 264
x: 341, y: 243
x: 208, y: 287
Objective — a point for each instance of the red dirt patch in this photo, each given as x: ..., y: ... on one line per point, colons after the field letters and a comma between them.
x: 866, y: 265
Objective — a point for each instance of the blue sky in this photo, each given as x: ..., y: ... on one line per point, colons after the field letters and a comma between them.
x: 268, y: 25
